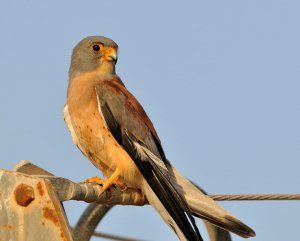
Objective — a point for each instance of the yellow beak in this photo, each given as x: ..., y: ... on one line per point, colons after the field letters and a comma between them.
x: 111, y: 54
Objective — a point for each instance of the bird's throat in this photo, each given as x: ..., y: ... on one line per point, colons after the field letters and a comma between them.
x: 107, y: 68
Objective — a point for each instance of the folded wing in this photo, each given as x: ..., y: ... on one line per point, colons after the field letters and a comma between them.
x: 131, y: 127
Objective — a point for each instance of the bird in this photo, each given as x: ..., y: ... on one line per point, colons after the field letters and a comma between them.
x: 112, y: 129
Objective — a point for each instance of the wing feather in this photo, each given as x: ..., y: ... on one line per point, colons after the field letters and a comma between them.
x: 131, y: 127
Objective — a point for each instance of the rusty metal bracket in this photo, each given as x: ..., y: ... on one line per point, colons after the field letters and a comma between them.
x: 30, y: 209
x: 31, y: 205
x: 30, y: 202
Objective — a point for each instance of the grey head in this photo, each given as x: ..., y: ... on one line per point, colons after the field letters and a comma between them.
x: 93, y: 53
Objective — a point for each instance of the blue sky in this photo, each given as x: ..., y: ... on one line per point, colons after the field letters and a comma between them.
x: 219, y: 79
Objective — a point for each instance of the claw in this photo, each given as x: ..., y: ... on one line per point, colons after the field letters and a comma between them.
x: 113, y: 180
x: 96, y: 180
x: 122, y: 186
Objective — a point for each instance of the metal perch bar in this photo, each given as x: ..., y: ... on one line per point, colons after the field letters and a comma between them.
x: 89, y: 220
x: 31, y: 206
x: 88, y: 192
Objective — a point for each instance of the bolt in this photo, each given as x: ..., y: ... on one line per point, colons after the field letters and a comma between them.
x: 24, y: 195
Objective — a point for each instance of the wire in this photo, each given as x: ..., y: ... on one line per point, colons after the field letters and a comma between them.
x: 256, y: 197
x: 113, y: 237
x: 236, y: 197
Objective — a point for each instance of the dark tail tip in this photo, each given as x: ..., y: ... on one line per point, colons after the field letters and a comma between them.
x: 240, y: 228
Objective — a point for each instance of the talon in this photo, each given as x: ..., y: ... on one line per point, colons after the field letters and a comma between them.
x: 121, y: 186
x: 105, y: 187
x: 96, y: 180
x: 114, y: 179
x: 108, y: 192
x: 106, y: 184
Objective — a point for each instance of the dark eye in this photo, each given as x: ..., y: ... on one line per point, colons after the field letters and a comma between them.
x: 96, y: 47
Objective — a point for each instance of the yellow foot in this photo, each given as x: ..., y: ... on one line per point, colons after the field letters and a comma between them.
x: 110, y: 182
x: 122, y: 186
x: 113, y: 180
x: 96, y: 180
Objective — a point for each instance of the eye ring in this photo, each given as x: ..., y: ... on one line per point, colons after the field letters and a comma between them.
x: 96, y: 47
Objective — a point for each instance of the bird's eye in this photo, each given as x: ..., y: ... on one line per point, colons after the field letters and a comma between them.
x: 96, y: 47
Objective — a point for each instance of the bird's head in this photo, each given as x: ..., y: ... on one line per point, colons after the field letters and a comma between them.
x: 95, y: 53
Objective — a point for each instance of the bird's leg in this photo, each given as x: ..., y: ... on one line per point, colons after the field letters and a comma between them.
x: 114, y: 179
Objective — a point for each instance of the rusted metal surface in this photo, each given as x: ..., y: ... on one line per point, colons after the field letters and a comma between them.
x: 30, y: 203
x: 88, y: 192
x: 30, y: 209
x: 24, y: 194
x: 26, y: 167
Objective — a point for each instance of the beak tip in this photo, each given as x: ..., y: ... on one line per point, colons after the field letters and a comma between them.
x: 113, y: 57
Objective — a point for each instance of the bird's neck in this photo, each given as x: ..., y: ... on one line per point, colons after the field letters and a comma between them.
x: 82, y: 87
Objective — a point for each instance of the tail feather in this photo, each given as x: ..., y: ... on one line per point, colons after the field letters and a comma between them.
x: 204, y: 207
x: 160, y: 191
x: 200, y: 205
x: 157, y: 204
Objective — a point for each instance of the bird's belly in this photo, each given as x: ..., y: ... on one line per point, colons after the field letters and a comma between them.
x: 90, y: 134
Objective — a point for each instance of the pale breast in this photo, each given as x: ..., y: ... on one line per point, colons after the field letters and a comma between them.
x: 70, y: 127
x: 87, y: 134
